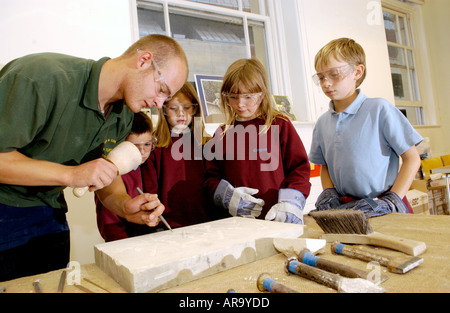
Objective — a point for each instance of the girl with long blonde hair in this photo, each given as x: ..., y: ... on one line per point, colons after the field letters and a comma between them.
x: 259, y: 166
x: 174, y: 170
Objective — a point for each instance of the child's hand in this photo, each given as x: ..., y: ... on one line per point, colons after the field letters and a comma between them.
x: 285, y: 212
x: 389, y: 202
x: 393, y: 198
x: 328, y: 199
x: 239, y: 201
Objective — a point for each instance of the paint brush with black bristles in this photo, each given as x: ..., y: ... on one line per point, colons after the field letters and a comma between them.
x: 351, y: 226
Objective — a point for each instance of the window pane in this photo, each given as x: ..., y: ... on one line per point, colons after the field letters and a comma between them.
x: 252, y: 7
x: 403, y: 31
x: 390, y: 26
x: 211, y: 44
x: 258, y: 42
x: 151, y: 20
x: 413, y: 114
x: 230, y: 4
x: 403, y: 67
x: 399, y: 71
x: 247, y: 5
x: 410, y: 59
x: 397, y: 56
x: 400, y: 84
x: 415, y: 85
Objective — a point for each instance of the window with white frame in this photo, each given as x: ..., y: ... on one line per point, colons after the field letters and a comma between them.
x: 213, y: 33
x: 402, y: 56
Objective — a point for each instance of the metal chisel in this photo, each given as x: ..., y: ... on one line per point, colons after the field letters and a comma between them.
x: 160, y: 217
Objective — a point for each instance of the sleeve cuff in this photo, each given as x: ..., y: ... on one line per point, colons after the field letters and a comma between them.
x: 292, y: 196
x: 220, y: 195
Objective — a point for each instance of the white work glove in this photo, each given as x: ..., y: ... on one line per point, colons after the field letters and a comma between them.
x: 289, y: 208
x: 239, y: 201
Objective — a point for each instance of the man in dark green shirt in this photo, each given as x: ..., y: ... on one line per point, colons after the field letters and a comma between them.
x: 58, y: 116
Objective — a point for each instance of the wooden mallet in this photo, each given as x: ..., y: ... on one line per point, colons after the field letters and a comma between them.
x: 125, y: 156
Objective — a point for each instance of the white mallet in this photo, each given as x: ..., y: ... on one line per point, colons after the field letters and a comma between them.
x: 125, y: 156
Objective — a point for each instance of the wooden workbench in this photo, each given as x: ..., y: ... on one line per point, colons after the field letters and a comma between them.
x: 432, y: 276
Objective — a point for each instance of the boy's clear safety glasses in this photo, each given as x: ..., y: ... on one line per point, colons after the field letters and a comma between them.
x: 333, y: 75
x: 146, y: 145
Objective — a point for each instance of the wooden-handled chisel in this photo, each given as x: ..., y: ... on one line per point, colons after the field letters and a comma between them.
x: 341, y: 284
x: 266, y: 283
x: 399, y: 265
x: 308, y: 258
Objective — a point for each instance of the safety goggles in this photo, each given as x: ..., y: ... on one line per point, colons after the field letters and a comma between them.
x: 248, y: 99
x: 149, y: 145
x: 161, y: 88
x: 187, y: 109
x: 333, y: 75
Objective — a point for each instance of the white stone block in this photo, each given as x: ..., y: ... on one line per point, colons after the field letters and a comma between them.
x: 165, y: 259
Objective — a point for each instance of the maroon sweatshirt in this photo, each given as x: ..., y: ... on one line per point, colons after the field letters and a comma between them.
x: 113, y: 227
x: 178, y: 182
x: 264, y: 161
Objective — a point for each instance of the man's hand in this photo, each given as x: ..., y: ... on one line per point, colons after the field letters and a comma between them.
x: 96, y: 174
x: 18, y: 169
x: 143, y: 209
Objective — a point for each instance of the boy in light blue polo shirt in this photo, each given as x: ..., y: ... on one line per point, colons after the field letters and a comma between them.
x: 359, y: 140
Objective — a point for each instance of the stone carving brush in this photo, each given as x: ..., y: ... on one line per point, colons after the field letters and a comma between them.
x: 306, y: 257
x: 341, y: 284
x: 351, y: 226
x: 160, y: 217
x: 395, y: 265
x: 266, y: 283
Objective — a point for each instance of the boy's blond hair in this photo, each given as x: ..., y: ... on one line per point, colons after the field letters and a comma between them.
x: 343, y: 50
x: 251, y: 75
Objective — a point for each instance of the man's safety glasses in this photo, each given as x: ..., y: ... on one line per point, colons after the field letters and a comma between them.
x: 162, y: 90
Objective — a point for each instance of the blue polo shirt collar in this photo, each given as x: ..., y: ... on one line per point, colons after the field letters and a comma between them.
x: 352, y: 108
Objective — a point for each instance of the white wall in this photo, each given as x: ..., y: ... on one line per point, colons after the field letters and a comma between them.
x: 84, y: 28
x: 436, y: 25
x: 361, y: 20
